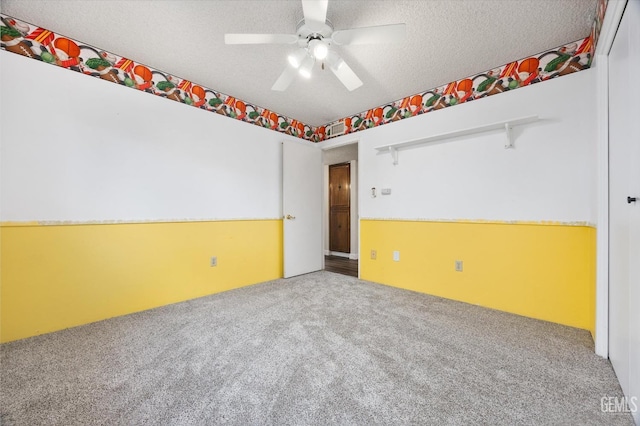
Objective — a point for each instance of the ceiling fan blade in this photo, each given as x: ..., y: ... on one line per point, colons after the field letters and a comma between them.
x: 343, y: 71
x: 368, y: 35
x: 260, y: 38
x: 315, y: 13
x: 285, y: 79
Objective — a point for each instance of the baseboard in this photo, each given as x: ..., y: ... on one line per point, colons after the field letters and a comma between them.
x: 352, y: 256
x: 337, y: 254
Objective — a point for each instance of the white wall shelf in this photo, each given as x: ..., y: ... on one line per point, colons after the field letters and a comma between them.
x: 507, y: 125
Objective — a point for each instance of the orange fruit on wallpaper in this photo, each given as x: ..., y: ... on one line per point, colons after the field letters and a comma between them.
x: 416, y: 101
x: 465, y: 85
x: 143, y: 72
x: 198, y: 91
x: 240, y: 109
x: 67, y: 46
x: 529, y: 65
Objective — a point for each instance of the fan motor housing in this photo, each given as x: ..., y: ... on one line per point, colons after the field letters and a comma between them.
x: 307, y: 32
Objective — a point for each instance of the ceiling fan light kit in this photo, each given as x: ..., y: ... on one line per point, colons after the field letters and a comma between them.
x: 318, y: 48
x: 314, y: 36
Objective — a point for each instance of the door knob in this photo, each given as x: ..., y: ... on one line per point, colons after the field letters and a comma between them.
x: 290, y: 217
x: 631, y: 200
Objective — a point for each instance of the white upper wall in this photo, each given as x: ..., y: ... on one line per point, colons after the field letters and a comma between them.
x: 76, y: 148
x: 549, y: 176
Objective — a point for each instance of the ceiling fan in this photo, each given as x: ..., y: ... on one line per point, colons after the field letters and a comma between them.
x: 314, y: 37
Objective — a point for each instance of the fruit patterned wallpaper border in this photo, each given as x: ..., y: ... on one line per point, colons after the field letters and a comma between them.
x: 38, y: 43
x: 44, y: 45
x: 563, y: 60
x: 567, y: 59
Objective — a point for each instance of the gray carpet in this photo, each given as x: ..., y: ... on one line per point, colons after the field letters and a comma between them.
x: 317, y: 349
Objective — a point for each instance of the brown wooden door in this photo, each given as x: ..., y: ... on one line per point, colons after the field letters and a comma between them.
x: 340, y: 208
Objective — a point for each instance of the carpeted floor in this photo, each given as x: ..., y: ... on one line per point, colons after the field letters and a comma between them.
x: 317, y: 349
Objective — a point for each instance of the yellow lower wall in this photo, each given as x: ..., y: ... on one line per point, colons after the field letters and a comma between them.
x: 55, y: 277
x: 539, y: 271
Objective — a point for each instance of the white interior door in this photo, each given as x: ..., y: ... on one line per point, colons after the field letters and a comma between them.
x: 624, y: 214
x: 302, y: 208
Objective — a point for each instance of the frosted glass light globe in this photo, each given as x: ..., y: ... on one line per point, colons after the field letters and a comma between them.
x: 319, y: 49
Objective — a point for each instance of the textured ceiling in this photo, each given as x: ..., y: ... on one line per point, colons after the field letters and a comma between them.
x: 446, y: 40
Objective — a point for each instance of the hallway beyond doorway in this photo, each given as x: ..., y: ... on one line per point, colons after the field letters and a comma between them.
x: 341, y: 265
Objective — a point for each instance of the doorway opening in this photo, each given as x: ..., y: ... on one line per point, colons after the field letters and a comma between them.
x: 340, y: 209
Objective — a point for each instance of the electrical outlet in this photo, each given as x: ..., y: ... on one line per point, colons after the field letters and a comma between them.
x: 458, y: 265
x: 214, y: 261
x: 396, y: 256
x: 374, y: 254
